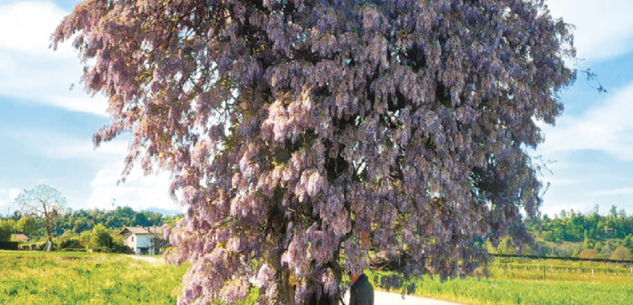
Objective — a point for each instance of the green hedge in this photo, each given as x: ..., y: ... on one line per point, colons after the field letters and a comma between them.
x: 74, y: 250
x: 8, y: 245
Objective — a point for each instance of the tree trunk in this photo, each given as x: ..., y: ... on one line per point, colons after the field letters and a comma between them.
x: 286, y: 294
x: 49, y: 243
x: 325, y: 299
x: 286, y: 291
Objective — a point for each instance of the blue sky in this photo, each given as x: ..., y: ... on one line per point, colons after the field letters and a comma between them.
x: 46, y: 129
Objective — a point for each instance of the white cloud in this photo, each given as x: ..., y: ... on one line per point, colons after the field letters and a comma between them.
x: 27, y: 28
x: 60, y: 146
x: 139, y: 192
x: 604, y: 29
x: 29, y: 70
x: 7, y: 196
x: 614, y: 192
x: 106, y: 164
x: 68, y: 148
x: 605, y: 127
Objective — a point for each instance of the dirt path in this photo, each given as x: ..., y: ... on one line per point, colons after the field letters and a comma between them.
x: 387, y: 298
x: 380, y: 298
x: 148, y: 259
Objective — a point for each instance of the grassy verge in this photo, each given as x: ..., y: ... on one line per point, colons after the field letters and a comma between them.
x: 506, y: 289
x: 82, y: 278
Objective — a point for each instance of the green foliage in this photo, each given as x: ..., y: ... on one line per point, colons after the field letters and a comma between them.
x: 575, y: 226
x: 5, y: 230
x: 84, y: 238
x: 100, y: 238
x: 71, y: 243
x: 33, y: 246
x: 587, y: 231
x: 589, y: 253
x: 27, y: 226
x: 172, y: 221
x: 118, y: 245
x: 606, y: 251
x: 621, y: 253
x: 80, y: 221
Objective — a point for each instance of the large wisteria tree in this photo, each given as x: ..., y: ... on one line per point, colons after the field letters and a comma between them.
x: 307, y: 137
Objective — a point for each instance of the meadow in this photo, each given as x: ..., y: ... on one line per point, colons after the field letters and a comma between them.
x: 525, y: 282
x: 85, y: 278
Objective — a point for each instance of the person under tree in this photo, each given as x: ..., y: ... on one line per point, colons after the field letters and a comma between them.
x: 361, y: 292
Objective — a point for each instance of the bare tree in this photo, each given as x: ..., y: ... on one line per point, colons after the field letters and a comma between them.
x: 43, y: 201
x: 158, y: 244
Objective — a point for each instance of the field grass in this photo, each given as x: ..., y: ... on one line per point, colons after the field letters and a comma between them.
x: 555, y: 270
x: 85, y: 278
x: 526, y: 285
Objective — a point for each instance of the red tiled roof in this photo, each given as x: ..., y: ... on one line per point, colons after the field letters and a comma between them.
x: 143, y: 230
x: 21, y: 237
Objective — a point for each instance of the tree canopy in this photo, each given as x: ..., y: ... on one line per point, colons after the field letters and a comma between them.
x: 575, y: 226
x: 45, y: 202
x: 292, y: 128
x: 5, y: 230
x: 621, y: 253
x: 27, y: 225
x: 77, y: 221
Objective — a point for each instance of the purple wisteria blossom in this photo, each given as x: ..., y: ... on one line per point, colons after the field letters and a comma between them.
x: 306, y: 137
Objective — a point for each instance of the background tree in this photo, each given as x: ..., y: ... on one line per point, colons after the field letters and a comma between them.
x: 45, y: 202
x: 606, y: 251
x: 159, y: 244
x: 5, y: 230
x: 100, y: 238
x: 621, y: 253
x: 293, y: 127
x: 27, y: 226
x: 589, y: 253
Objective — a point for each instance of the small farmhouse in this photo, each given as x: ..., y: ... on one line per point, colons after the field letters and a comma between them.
x: 21, y: 237
x: 143, y: 240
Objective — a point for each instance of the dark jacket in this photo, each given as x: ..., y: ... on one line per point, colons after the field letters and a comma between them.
x: 361, y: 293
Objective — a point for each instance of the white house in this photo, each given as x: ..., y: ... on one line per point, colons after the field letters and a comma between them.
x: 143, y: 240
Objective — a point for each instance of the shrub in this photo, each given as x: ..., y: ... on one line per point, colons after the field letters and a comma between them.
x: 74, y: 250
x: 589, y: 253
x: 8, y: 245
x: 71, y: 243
x: 606, y: 251
x: 100, y: 238
x: 118, y: 245
x: 621, y: 253
x: 34, y: 246
x: 5, y: 230
x: 84, y: 238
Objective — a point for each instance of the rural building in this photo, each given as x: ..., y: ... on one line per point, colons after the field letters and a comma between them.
x: 21, y: 237
x: 143, y: 240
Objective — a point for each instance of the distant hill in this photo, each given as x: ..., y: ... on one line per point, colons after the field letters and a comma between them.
x: 164, y: 212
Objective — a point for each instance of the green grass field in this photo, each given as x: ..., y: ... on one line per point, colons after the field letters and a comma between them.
x: 525, y: 284
x: 507, y: 291
x: 84, y: 278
